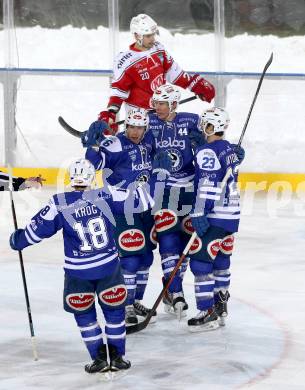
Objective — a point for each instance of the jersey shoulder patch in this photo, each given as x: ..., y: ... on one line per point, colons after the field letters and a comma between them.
x: 112, y: 144
x: 207, y: 159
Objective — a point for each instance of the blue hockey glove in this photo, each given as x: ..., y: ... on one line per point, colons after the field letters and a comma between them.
x: 197, y: 139
x: 95, y: 135
x: 200, y: 224
x: 14, y: 239
x: 162, y: 163
x: 240, y: 152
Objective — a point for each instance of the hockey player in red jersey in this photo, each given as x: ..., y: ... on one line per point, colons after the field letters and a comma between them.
x: 147, y: 65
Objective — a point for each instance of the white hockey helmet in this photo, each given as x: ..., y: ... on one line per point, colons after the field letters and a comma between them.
x: 167, y: 93
x: 136, y: 118
x: 143, y: 25
x: 82, y: 173
x: 217, y: 117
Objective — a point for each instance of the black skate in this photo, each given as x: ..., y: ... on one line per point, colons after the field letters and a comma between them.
x: 204, y: 321
x: 117, y: 362
x: 100, y: 364
x: 130, y: 315
x: 142, y: 311
x: 221, y: 306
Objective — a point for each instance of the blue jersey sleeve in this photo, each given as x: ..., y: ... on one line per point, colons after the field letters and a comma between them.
x: 107, y: 155
x: 43, y: 225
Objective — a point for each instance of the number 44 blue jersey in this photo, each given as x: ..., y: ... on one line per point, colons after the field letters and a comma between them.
x: 218, y: 200
x: 86, y: 219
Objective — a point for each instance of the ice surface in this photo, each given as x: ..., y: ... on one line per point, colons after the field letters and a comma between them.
x: 262, y: 346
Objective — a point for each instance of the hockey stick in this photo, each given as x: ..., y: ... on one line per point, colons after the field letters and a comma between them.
x: 255, y: 97
x: 78, y: 134
x: 142, y: 325
x: 27, y: 300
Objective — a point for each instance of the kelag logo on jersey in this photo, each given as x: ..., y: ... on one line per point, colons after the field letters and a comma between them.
x: 140, y: 167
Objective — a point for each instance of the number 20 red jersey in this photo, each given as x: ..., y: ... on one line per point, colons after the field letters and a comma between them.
x: 138, y: 73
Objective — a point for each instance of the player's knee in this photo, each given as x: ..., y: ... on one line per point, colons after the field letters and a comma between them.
x: 201, y: 267
x: 130, y: 263
x: 84, y: 319
x: 146, y: 260
x: 114, y: 316
x: 170, y: 243
x: 222, y: 262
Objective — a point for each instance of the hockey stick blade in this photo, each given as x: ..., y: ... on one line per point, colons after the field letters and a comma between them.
x: 268, y: 63
x: 79, y: 134
x: 69, y: 129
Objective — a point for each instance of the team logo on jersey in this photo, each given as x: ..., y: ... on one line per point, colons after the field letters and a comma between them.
x: 157, y: 82
x: 187, y: 225
x: 176, y: 158
x: 132, y: 240
x: 214, y: 247
x: 165, y: 219
x: 196, y: 246
x: 226, y: 246
x: 142, y: 178
x: 114, y: 296
x: 153, y: 236
x: 80, y: 301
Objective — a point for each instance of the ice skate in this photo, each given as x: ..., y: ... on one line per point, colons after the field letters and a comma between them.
x: 100, y: 364
x: 130, y: 315
x: 142, y: 311
x: 204, y: 321
x: 118, y: 365
x: 221, y: 306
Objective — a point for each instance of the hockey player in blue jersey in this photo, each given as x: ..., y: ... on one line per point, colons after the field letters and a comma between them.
x: 92, y: 266
x: 174, y: 133
x: 127, y: 161
x: 171, y: 133
x: 215, y: 218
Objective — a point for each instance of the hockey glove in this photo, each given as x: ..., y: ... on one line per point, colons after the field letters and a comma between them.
x: 240, y: 152
x: 197, y: 139
x: 200, y: 224
x: 162, y: 163
x: 202, y: 88
x: 109, y: 117
x: 14, y: 239
x: 95, y: 135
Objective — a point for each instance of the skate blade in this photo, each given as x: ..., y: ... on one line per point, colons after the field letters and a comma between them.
x: 110, y: 376
x: 152, y: 320
x: 222, y: 321
x: 178, y: 310
x: 204, y: 328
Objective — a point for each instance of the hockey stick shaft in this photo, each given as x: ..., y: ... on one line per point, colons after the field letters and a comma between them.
x: 143, y: 325
x: 255, y: 97
x: 78, y: 134
x: 25, y: 288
